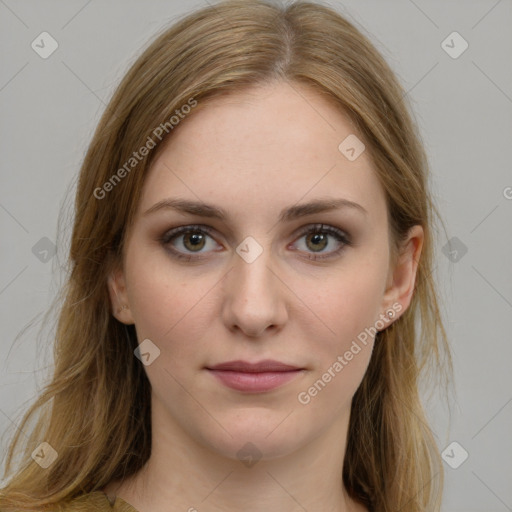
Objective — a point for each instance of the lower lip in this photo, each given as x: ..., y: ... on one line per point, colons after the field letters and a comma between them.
x: 254, y: 382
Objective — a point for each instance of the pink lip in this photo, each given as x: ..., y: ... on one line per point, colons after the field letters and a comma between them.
x: 254, y: 377
x: 267, y: 365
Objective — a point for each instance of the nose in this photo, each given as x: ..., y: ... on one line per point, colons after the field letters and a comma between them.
x: 254, y: 296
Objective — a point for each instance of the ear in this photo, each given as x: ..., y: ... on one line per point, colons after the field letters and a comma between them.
x: 119, y: 296
x: 401, y: 278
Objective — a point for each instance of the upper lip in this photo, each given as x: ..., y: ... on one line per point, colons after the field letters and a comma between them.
x: 267, y: 365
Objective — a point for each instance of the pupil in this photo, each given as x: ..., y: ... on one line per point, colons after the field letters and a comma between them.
x: 194, y: 240
x: 318, y: 238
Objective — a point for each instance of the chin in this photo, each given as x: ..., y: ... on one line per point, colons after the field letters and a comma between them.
x: 254, y: 437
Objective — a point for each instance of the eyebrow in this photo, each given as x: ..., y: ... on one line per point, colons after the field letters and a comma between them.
x: 294, y: 212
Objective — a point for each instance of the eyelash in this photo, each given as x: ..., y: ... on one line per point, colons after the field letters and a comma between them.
x: 168, y: 236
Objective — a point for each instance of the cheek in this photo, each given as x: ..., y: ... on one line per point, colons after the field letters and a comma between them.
x: 175, y: 309
x: 347, y: 303
x: 165, y: 303
x: 342, y: 329
x: 340, y: 356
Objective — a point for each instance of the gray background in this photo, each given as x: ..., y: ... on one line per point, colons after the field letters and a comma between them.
x: 48, y: 111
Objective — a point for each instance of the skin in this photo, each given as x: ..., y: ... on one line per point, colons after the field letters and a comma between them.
x: 253, y: 154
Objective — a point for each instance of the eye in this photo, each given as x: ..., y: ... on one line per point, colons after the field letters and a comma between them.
x: 193, y: 238
x: 187, y: 241
x: 318, y: 237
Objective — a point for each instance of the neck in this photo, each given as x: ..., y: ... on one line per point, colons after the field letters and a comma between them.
x: 184, y: 474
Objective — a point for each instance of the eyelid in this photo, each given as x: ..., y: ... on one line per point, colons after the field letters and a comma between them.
x: 341, y: 235
x: 179, y: 230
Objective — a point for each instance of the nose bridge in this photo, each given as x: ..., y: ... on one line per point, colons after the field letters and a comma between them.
x: 253, y: 295
x: 253, y: 263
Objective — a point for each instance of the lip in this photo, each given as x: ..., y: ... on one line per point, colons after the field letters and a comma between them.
x: 267, y: 365
x: 254, y: 377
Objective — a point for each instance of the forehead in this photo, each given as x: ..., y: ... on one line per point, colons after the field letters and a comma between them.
x: 262, y: 148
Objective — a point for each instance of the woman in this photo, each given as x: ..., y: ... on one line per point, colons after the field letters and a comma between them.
x: 251, y: 254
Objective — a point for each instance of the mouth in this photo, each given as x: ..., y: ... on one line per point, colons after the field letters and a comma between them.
x: 254, y: 377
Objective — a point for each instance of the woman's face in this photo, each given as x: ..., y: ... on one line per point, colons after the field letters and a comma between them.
x: 254, y: 285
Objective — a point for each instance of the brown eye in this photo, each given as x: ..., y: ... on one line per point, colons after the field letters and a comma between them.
x: 319, y: 237
x: 194, y: 241
x: 185, y: 241
x: 316, y: 241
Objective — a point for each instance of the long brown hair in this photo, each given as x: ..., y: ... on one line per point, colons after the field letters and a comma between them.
x: 95, y: 409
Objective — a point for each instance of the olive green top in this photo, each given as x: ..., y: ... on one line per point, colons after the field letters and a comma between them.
x: 98, y: 501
